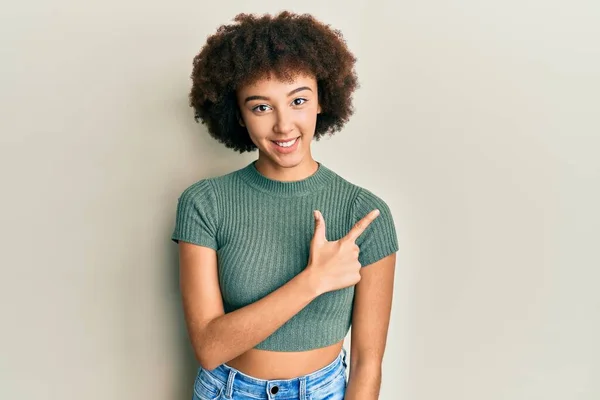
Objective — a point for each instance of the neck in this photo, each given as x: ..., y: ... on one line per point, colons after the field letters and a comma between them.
x: 287, y: 173
x: 299, y: 187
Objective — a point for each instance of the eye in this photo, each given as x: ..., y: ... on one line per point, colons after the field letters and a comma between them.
x: 299, y: 99
x: 260, y: 108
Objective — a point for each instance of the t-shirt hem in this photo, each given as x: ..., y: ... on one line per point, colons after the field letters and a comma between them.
x: 199, y: 242
x: 286, y: 347
x: 384, y: 253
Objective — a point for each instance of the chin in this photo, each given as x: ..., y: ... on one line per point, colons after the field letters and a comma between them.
x: 288, y: 161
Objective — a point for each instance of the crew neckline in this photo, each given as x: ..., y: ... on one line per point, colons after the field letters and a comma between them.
x: 321, y: 177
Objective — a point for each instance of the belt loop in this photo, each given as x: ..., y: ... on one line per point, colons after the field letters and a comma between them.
x: 302, y: 395
x: 229, y: 387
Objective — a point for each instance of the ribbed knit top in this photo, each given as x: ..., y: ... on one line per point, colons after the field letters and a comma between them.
x: 261, y: 230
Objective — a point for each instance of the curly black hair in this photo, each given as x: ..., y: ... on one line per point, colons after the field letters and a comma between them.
x: 284, y: 45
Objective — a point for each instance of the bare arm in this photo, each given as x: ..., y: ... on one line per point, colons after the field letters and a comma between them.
x: 370, y: 321
x: 218, y: 337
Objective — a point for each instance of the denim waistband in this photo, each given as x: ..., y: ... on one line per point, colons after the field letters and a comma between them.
x: 238, y: 382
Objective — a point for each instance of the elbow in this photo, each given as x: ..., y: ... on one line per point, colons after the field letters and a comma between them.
x: 205, y: 362
x: 205, y: 357
x: 207, y: 348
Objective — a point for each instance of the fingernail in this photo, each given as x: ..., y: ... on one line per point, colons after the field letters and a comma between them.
x: 377, y: 211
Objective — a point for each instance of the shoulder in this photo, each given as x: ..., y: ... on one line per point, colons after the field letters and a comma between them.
x: 367, y: 201
x: 362, y: 197
x: 198, y: 190
x: 209, y: 186
x: 379, y: 239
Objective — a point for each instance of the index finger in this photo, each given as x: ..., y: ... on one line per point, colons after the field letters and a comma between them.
x: 361, y: 225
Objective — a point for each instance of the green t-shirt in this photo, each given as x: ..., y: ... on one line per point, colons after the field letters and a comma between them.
x: 261, y: 230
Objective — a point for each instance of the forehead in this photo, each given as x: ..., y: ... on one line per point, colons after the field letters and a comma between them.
x: 270, y: 84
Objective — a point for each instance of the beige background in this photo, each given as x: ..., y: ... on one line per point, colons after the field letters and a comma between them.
x: 478, y: 123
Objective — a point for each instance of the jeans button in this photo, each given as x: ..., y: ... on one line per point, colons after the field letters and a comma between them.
x: 274, y: 389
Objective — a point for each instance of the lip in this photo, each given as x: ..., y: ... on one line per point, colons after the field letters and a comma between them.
x: 285, y: 140
x: 286, y: 150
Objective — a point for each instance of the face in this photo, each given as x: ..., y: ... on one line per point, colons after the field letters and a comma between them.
x: 281, y: 118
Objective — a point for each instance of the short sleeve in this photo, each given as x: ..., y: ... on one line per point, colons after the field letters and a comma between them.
x: 196, y: 218
x: 379, y: 239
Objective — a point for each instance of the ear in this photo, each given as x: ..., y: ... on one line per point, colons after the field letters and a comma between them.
x: 319, y: 109
x: 239, y: 118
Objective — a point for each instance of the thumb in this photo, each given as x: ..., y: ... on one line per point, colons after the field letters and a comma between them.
x: 319, y: 234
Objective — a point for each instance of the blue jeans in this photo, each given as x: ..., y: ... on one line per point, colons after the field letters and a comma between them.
x: 225, y: 382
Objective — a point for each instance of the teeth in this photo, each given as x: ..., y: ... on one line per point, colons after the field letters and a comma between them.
x: 287, y: 144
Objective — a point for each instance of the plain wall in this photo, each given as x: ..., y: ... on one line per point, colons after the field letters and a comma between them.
x: 477, y: 122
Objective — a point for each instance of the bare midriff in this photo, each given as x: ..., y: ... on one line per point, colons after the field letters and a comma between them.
x: 265, y: 364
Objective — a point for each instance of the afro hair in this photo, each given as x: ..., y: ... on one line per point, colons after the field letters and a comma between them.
x: 255, y: 47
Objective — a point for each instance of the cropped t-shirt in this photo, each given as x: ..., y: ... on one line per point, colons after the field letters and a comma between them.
x: 261, y: 230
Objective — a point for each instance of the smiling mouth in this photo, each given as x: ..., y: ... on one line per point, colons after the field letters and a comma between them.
x: 285, y: 143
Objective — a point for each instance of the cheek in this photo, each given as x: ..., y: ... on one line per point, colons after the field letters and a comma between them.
x: 306, y: 117
x: 258, y: 127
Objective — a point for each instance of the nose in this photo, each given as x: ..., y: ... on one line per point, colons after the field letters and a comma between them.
x: 284, y: 123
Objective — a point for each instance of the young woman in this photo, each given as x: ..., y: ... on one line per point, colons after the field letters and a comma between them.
x: 270, y: 286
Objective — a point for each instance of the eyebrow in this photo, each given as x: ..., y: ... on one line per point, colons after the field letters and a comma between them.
x: 249, y: 98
